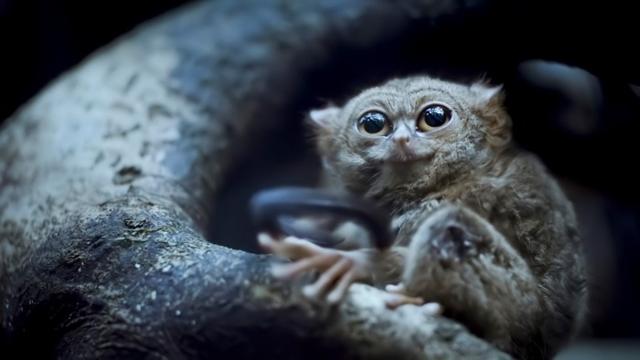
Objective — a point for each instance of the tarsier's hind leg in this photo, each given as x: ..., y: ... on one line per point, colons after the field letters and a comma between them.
x: 459, y: 259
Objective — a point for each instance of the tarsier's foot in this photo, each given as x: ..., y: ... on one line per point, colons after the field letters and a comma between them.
x: 396, y: 297
x: 338, y: 269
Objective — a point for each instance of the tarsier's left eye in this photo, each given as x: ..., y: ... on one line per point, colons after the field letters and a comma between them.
x: 374, y: 123
x: 433, y: 116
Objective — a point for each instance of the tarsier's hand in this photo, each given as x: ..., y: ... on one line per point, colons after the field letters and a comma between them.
x: 338, y: 269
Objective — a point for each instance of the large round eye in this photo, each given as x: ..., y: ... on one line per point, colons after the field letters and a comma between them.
x: 433, y: 116
x: 374, y: 123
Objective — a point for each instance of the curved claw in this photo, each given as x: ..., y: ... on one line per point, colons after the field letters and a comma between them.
x: 290, y: 247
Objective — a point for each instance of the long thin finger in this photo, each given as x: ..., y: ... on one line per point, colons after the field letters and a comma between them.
x: 337, y: 294
x: 396, y: 289
x: 327, y: 278
x: 267, y: 243
x: 290, y: 247
x: 395, y: 300
x: 297, y: 248
x: 321, y: 262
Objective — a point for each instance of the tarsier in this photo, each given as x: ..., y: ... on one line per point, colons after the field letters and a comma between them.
x: 482, y: 230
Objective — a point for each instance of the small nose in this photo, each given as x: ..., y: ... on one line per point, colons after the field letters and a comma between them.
x: 402, y: 140
x: 402, y: 137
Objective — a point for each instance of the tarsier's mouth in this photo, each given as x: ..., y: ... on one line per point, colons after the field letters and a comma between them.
x: 406, y: 157
x: 402, y: 158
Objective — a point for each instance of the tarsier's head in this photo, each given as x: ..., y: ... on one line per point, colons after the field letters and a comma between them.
x: 409, y: 129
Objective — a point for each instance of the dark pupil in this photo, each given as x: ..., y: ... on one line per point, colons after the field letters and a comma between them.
x: 373, y: 122
x: 435, y: 116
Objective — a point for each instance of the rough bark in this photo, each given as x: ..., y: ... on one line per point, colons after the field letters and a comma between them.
x: 108, y: 178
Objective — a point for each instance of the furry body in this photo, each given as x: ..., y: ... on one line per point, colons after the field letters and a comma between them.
x: 482, y: 228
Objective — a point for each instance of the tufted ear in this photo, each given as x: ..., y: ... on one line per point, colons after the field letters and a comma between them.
x: 324, y: 118
x: 487, y: 94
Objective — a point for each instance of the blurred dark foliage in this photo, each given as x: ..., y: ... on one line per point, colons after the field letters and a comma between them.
x: 583, y: 123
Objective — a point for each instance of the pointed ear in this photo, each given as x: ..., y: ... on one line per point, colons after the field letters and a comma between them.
x: 323, y: 127
x: 487, y: 94
x: 323, y: 118
x: 489, y: 103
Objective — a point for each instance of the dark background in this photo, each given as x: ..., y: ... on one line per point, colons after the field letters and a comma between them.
x: 583, y: 123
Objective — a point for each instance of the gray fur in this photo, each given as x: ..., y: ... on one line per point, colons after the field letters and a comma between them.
x: 482, y: 227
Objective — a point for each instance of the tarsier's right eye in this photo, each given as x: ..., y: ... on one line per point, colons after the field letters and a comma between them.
x: 433, y: 116
x: 374, y: 123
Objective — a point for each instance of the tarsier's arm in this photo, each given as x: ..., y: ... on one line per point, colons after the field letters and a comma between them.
x: 455, y: 258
